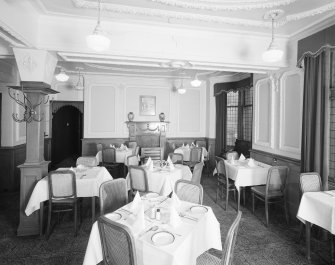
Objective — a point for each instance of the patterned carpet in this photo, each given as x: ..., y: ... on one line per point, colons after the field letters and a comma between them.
x: 256, y: 244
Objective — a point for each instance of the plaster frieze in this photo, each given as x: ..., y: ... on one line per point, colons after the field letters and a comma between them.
x: 224, y: 5
x: 151, y: 12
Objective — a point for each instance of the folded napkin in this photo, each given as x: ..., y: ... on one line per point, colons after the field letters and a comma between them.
x: 251, y: 163
x: 169, y: 161
x: 175, y: 201
x: 232, y: 161
x: 138, y: 158
x: 136, y: 202
x: 151, y: 166
x: 174, y: 217
x: 72, y: 169
x: 183, y: 145
x: 192, y: 144
x: 147, y: 164
x: 196, y: 145
x: 136, y: 220
x: 187, y: 146
x: 242, y: 157
x: 112, y: 145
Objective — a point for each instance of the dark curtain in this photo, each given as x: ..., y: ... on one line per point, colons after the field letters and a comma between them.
x: 318, y: 76
x: 221, y: 114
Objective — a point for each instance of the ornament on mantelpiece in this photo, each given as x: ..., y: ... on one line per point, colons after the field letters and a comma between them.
x: 161, y: 116
x: 131, y: 116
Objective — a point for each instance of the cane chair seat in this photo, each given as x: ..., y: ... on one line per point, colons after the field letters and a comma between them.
x: 195, y: 157
x: 261, y: 190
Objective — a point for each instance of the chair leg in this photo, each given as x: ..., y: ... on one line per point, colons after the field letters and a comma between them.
x: 243, y: 196
x: 267, y: 212
x: 75, y: 218
x: 253, y: 202
x: 227, y: 196
x: 301, y: 232
x: 49, y: 222
x: 217, y: 193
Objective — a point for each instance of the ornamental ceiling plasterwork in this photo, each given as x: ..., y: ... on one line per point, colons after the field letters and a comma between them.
x: 216, y: 11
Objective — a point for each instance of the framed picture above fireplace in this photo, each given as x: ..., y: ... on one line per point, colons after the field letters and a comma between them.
x: 147, y: 105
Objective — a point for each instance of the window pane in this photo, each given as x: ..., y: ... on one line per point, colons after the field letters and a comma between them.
x: 232, y: 98
x: 232, y: 118
x: 332, y: 140
x: 247, y: 123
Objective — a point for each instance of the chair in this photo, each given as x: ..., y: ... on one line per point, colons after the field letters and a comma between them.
x: 189, y: 191
x: 132, y: 160
x: 207, y: 160
x: 223, y: 182
x: 108, y: 158
x: 227, y: 250
x: 273, y: 191
x: 88, y: 161
x: 176, y: 158
x: 132, y: 144
x: 195, y: 157
x: 137, y: 150
x: 197, y: 172
x: 99, y: 147
x: 200, y: 143
x: 62, y: 195
x: 231, y: 154
x: 138, y: 180
x: 156, y: 153
x: 113, y: 194
x: 117, y: 243
x: 309, y: 182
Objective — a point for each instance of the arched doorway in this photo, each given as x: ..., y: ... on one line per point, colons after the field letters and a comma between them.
x: 67, y: 132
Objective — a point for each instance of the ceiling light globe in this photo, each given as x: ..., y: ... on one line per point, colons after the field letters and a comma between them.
x: 181, y: 91
x: 79, y: 87
x: 97, y: 41
x: 62, y: 77
x: 272, y: 55
x: 195, y: 83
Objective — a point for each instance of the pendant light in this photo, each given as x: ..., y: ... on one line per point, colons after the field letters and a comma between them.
x: 195, y: 82
x: 62, y: 76
x: 98, y: 41
x: 181, y: 90
x: 273, y: 53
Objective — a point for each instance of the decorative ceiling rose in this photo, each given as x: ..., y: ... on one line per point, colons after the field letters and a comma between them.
x: 224, y: 6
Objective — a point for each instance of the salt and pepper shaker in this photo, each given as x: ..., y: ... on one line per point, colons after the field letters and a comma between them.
x: 153, y: 213
x: 158, y: 214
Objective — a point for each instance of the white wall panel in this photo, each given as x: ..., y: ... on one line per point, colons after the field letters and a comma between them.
x: 291, y: 93
x: 101, y: 111
x: 263, y: 105
x: 189, y: 112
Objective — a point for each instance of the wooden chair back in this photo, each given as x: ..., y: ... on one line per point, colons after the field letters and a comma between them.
x: 88, y: 161
x: 132, y: 160
x: 310, y: 181
x: 138, y: 179
x: 156, y: 153
x: 176, y: 158
x: 196, y: 154
x: 108, y: 155
x: 276, y: 179
x: 197, y: 172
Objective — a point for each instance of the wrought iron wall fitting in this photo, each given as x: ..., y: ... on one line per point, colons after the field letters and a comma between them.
x: 30, y: 114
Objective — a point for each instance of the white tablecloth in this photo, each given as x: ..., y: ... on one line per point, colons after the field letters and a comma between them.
x: 195, y: 238
x: 185, y: 151
x: 120, y: 155
x: 88, y: 183
x: 162, y: 181
x: 318, y: 208
x: 244, y: 175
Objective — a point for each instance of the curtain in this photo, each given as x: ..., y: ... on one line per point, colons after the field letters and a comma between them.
x: 318, y: 73
x: 221, y: 114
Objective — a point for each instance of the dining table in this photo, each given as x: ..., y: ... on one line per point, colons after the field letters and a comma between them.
x: 162, y: 180
x: 186, y: 151
x: 244, y: 174
x: 121, y: 155
x: 88, y: 181
x: 197, y: 231
x: 318, y: 208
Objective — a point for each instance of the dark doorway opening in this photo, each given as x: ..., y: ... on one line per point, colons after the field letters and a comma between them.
x: 67, y: 132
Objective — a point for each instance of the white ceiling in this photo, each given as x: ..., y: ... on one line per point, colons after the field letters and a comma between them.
x: 235, y: 15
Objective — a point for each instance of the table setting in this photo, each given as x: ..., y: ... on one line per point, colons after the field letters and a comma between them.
x: 163, y: 228
x: 185, y: 150
x: 162, y: 175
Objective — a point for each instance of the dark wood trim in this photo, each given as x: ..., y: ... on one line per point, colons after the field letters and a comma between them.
x: 276, y: 157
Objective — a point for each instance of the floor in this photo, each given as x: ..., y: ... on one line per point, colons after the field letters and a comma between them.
x: 256, y: 244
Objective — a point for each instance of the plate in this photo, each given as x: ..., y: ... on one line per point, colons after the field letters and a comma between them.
x: 198, y: 209
x: 114, y: 216
x: 162, y: 238
x: 151, y: 195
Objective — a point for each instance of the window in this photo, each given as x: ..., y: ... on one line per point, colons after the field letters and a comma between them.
x: 332, y: 140
x: 239, y: 116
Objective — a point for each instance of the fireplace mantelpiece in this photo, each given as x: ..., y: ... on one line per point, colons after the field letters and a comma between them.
x: 148, y: 133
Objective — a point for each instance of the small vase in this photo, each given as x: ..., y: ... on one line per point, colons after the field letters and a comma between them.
x: 161, y: 116
x: 131, y: 116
